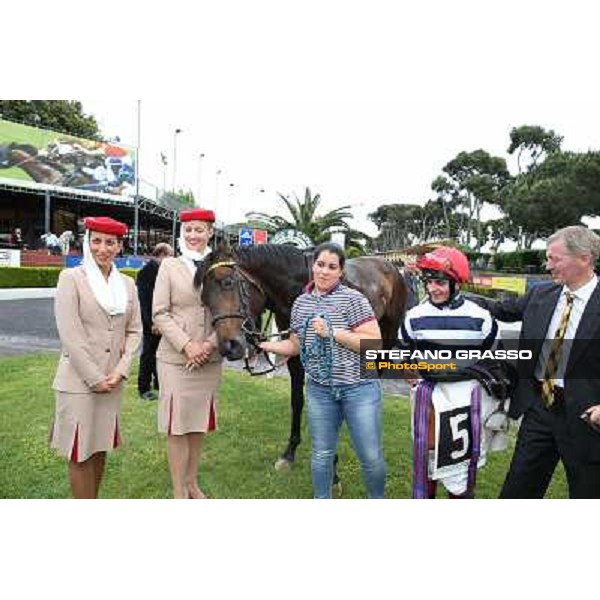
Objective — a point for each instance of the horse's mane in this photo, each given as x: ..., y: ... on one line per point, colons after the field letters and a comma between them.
x: 276, y: 256
x: 260, y: 260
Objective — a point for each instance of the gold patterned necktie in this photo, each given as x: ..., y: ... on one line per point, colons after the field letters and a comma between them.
x: 555, y: 353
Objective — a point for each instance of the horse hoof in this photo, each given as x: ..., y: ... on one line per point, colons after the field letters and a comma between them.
x: 337, y: 490
x: 282, y: 464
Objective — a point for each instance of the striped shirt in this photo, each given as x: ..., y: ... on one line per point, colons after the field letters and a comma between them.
x: 462, y: 325
x: 346, y: 309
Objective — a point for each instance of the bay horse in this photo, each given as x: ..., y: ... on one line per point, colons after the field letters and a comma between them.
x: 237, y: 285
x: 25, y: 157
x: 44, y: 167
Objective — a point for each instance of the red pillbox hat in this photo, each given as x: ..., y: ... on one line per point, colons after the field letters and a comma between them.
x: 105, y: 225
x: 197, y: 214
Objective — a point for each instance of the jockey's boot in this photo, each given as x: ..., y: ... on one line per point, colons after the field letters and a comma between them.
x: 431, y: 489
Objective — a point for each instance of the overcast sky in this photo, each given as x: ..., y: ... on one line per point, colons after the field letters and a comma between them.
x: 362, y: 101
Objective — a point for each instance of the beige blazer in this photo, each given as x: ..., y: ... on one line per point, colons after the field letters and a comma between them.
x: 178, y: 312
x: 94, y: 344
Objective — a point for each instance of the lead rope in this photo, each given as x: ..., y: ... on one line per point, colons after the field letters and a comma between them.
x: 317, y: 357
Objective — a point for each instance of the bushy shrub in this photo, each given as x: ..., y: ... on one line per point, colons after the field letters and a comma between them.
x: 487, y: 292
x: 37, y: 277
x: 29, y: 277
x: 131, y: 272
x: 531, y: 261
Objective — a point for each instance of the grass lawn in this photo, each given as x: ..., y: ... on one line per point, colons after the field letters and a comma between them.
x: 238, y: 459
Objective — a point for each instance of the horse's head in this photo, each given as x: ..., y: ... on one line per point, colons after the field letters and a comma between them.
x: 234, y: 298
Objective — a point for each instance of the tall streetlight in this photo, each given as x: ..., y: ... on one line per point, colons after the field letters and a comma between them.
x: 175, y: 159
x: 260, y: 199
x: 136, y: 212
x: 230, y: 201
x: 217, y: 188
x: 163, y: 159
x: 199, y: 200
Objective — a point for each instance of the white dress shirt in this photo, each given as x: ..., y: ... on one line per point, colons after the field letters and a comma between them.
x: 581, y: 297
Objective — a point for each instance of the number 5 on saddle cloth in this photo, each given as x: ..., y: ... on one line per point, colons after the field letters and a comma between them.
x: 455, y: 440
x: 468, y: 423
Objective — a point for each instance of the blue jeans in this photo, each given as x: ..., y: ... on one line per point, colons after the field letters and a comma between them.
x: 360, y: 404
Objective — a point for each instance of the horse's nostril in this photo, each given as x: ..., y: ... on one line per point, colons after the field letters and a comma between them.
x: 235, y: 350
x: 231, y: 349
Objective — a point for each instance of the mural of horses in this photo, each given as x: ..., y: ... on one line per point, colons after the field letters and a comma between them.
x: 75, y: 167
x: 25, y: 157
x: 237, y: 285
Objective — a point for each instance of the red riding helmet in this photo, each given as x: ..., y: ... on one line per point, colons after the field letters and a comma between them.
x: 451, y: 262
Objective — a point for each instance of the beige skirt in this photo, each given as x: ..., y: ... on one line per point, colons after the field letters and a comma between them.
x: 188, y: 401
x: 85, y: 424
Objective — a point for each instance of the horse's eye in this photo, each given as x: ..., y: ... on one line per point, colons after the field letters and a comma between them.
x: 226, y: 284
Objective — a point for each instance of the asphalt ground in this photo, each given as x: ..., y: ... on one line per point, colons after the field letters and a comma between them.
x: 27, y: 325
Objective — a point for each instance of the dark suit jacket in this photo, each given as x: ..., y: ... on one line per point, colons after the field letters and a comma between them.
x: 146, y: 280
x: 582, y: 373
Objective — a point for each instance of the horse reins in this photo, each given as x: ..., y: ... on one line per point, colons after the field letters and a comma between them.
x: 252, y: 334
x: 240, y: 277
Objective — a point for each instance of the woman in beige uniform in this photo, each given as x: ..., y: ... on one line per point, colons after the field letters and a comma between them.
x: 189, y: 367
x: 98, y: 320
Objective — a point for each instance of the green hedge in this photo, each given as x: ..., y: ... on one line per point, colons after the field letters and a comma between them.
x: 531, y: 261
x: 29, y: 277
x: 487, y: 292
x: 37, y: 277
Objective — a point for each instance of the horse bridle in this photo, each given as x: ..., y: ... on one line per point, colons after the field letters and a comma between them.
x: 241, y: 278
x: 252, y: 334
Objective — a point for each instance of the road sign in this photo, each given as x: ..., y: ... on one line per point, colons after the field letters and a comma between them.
x: 245, y: 236
x: 260, y: 236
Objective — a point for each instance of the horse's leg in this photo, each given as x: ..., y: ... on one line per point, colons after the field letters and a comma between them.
x: 297, y: 399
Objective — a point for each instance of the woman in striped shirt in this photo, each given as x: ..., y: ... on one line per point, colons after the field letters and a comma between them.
x: 328, y: 321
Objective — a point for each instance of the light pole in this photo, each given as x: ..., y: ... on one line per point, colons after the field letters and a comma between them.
x: 217, y: 185
x: 163, y: 158
x: 260, y: 200
x: 175, y: 159
x: 199, y: 200
x: 230, y: 201
x: 136, y: 212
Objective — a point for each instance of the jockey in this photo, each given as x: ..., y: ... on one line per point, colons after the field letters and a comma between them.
x: 449, y: 441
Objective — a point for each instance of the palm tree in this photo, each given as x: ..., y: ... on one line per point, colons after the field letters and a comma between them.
x: 304, y: 218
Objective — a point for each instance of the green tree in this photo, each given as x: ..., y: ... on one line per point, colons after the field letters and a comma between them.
x: 178, y: 200
x: 552, y: 194
x: 532, y: 143
x: 399, y: 225
x: 303, y: 216
x: 499, y: 230
x: 65, y: 116
x: 475, y: 178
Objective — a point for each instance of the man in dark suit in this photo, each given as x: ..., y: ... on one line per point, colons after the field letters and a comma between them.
x: 145, y: 282
x: 558, y: 394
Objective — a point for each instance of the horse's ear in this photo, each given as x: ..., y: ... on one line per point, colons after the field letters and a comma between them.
x: 223, y: 247
x: 200, y: 272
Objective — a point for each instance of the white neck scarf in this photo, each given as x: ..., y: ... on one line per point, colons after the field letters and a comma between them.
x: 111, y: 294
x: 189, y: 256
